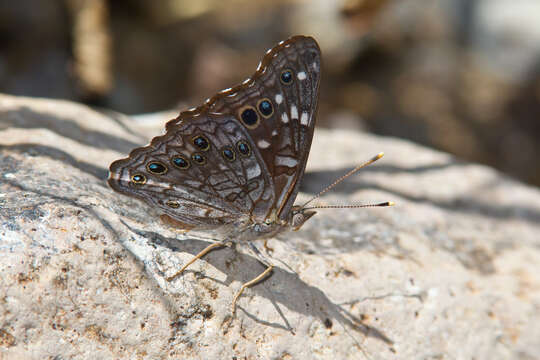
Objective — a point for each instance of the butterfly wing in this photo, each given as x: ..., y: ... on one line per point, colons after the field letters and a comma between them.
x: 267, y: 122
x: 282, y: 138
x: 196, y: 173
x: 288, y: 78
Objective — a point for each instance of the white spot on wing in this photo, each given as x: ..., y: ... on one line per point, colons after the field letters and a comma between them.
x: 263, y: 144
x: 192, y: 183
x: 199, y: 211
x: 253, y: 171
x: 301, y: 75
x: 183, y: 190
x: 279, y: 98
x: 304, y: 120
x: 274, y: 132
x: 294, y: 112
x: 284, y: 118
x: 315, y: 66
x: 285, y: 161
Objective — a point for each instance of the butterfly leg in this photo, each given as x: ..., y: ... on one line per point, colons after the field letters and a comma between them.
x: 198, y: 256
x: 259, y: 278
x: 267, y: 248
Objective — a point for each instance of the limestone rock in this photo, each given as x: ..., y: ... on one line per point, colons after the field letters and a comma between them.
x: 450, y: 272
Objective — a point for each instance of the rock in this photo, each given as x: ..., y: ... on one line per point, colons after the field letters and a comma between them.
x: 450, y: 272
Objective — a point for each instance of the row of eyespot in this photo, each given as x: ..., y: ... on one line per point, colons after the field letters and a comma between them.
x: 250, y: 115
x: 182, y: 162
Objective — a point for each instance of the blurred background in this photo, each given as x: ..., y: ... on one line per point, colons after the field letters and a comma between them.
x: 462, y: 76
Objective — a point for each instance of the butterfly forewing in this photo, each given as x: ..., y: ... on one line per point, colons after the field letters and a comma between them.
x: 238, y: 156
x: 288, y: 79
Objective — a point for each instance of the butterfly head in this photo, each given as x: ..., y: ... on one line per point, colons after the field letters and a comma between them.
x: 299, y: 216
x: 272, y: 225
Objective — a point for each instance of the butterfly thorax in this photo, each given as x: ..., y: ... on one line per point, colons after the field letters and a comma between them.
x: 251, y: 229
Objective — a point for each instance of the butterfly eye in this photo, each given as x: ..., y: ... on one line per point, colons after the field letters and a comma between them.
x: 180, y: 162
x: 249, y: 117
x: 265, y: 108
x: 228, y: 154
x: 198, y: 158
x: 156, y: 167
x: 201, y: 142
x: 243, y: 148
x: 286, y: 77
x: 138, y: 179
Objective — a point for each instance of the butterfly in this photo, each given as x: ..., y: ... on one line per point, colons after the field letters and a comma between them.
x: 235, y: 163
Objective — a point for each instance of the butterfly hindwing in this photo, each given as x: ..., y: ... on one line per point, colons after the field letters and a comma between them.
x: 205, y: 178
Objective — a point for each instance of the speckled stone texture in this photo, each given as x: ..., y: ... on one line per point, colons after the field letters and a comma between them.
x: 450, y: 272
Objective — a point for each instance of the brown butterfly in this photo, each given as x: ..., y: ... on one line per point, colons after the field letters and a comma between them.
x: 235, y: 163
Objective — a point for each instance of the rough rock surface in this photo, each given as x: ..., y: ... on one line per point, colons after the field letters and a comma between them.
x: 450, y: 272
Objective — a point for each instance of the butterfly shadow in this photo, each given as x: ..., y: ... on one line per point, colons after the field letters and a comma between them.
x: 242, y: 267
x: 27, y: 118
x: 56, y: 154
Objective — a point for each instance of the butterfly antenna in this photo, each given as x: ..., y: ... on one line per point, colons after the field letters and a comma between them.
x: 352, y: 172
x: 386, y: 203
